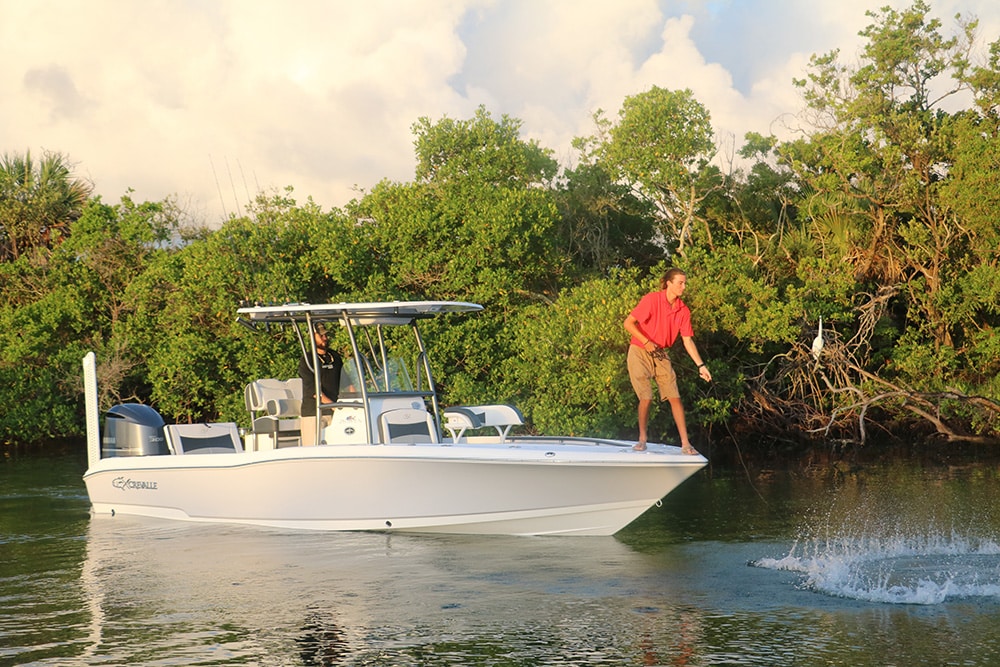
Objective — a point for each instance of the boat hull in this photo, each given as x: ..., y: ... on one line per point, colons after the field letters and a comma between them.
x: 518, y: 489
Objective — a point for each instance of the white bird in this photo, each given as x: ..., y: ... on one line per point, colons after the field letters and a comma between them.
x: 818, y: 341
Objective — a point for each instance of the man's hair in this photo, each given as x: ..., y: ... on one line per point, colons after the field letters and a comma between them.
x: 669, y: 276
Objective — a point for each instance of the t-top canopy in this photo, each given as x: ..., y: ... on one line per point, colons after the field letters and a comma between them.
x: 381, y: 312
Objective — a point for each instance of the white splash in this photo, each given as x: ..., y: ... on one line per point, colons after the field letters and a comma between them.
x: 904, y: 569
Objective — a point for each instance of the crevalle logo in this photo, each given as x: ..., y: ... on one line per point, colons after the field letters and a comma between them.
x: 127, y: 484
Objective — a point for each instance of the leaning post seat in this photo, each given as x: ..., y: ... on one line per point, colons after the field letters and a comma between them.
x: 275, y: 407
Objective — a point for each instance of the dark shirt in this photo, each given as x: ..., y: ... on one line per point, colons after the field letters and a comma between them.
x: 331, y: 364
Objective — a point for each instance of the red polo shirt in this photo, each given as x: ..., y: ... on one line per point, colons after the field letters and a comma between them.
x: 661, y: 321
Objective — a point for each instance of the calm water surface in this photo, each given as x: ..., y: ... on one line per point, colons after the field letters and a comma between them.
x: 884, y: 565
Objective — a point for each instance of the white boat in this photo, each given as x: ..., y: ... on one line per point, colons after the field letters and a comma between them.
x: 391, y: 457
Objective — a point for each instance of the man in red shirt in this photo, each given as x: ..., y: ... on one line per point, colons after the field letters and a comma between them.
x: 655, y: 324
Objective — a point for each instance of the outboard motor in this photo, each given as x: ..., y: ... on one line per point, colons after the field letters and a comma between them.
x: 133, y: 429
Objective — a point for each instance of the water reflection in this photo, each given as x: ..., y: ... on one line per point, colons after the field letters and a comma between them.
x: 158, y: 588
x: 322, y: 642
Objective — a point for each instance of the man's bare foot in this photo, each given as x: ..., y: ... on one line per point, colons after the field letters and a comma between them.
x: 688, y: 449
x: 640, y: 446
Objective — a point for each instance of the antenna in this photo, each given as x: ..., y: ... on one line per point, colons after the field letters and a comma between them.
x: 217, y: 186
x: 232, y: 184
x: 244, y: 177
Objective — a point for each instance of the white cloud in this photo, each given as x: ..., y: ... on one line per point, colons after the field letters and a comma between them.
x: 194, y: 97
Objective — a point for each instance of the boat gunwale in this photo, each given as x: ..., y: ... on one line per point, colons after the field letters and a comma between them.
x: 462, y: 453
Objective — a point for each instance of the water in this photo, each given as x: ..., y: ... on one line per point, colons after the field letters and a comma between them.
x: 895, y: 565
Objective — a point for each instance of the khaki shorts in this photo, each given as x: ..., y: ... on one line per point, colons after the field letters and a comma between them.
x: 642, y: 368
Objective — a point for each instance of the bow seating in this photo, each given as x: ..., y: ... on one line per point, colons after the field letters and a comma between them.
x: 503, y: 418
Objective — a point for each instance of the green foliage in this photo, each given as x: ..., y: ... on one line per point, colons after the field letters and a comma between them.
x: 197, y: 358
x: 38, y: 202
x: 972, y: 192
x: 481, y: 149
x: 661, y: 139
x: 875, y: 170
x: 475, y: 226
x: 492, y: 245
x: 661, y: 146
x: 67, y: 300
x: 602, y: 224
x: 568, y: 374
x: 734, y: 297
x: 920, y: 365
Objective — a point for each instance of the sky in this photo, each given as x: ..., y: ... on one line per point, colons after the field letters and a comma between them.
x: 211, y: 101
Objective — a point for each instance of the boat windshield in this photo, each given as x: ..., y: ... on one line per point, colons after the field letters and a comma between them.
x: 395, y: 377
